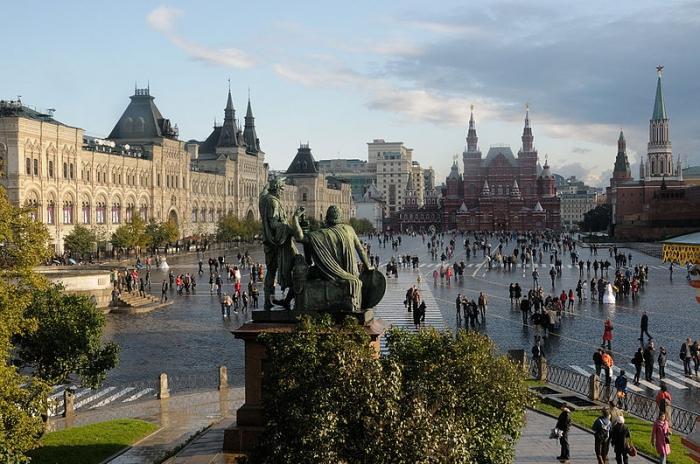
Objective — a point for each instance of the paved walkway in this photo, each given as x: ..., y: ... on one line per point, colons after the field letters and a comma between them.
x: 180, y: 417
x: 535, y: 446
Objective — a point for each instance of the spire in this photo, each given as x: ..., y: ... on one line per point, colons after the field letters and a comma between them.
x: 454, y: 170
x: 622, y: 165
x: 228, y: 134
x: 515, y: 191
x: 659, y: 106
x: 486, y: 191
x: 250, y: 137
x: 472, y: 138
x: 527, y: 137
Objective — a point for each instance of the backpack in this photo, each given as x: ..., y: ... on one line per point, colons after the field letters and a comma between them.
x: 602, y: 430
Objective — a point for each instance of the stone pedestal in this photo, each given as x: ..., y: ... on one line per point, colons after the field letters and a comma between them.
x: 593, y: 388
x: 250, y: 419
x: 692, y: 443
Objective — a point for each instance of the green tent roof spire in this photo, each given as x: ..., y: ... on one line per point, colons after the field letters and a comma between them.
x: 659, y: 106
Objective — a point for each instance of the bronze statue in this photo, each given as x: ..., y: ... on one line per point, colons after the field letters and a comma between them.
x: 333, y: 282
x: 277, y: 244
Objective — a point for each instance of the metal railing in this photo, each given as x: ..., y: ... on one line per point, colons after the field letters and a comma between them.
x: 637, y: 404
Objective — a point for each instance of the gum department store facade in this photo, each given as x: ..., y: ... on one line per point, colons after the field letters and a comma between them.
x: 143, y: 169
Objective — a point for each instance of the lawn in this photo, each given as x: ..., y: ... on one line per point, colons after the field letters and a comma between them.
x: 90, y: 444
x: 640, y: 430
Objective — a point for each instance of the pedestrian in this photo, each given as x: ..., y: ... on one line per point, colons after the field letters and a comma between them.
x: 244, y: 297
x: 607, y: 333
x: 685, y: 356
x: 142, y: 288
x: 649, y: 361
x: 638, y: 360
x: 525, y: 309
x: 663, y: 401
x: 483, y: 303
x: 598, y: 361
x: 419, y: 315
x: 695, y: 355
x: 661, y: 437
x: 644, y: 326
x: 571, y: 299
x: 621, y: 388
x: 164, y: 291
x: 662, y: 362
x: 564, y: 424
x: 601, y: 436
x: 608, y: 366
x: 620, y: 439
x: 535, y: 279
x: 458, y: 307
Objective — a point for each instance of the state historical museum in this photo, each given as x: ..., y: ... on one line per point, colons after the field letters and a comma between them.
x: 500, y: 191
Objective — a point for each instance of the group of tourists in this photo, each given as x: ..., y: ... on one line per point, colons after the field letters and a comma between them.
x: 610, y: 431
x: 414, y: 304
x: 472, y: 312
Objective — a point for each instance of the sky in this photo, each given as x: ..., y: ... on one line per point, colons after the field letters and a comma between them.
x: 339, y: 74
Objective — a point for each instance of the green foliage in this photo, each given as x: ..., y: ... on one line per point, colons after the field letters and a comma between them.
x: 23, y: 317
x: 434, y: 399
x: 80, y: 241
x: 21, y: 398
x: 160, y: 234
x: 361, y: 226
x: 230, y: 228
x: 90, y: 444
x: 481, y: 394
x: 67, y: 339
x: 597, y: 219
x: 131, y: 235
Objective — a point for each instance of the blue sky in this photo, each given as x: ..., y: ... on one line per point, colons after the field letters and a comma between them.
x: 341, y: 74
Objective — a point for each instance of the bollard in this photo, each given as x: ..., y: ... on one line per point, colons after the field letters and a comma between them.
x: 223, y: 377
x: 163, y: 391
x: 68, y: 402
x: 593, y: 388
x: 542, y: 369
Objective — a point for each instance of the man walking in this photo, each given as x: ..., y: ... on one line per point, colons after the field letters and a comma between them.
x: 685, y: 356
x: 601, y: 434
x: 649, y: 361
x: 535, y: 279
x: 598, y: 361
x: 644, y: 328
x: 564, y: 424
x: 483, y: 302
x: 164, y: 291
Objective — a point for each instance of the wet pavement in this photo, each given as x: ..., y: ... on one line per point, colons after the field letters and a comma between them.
x: 189, y: 339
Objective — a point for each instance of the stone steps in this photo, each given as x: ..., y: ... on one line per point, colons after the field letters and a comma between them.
x: 135, y: 300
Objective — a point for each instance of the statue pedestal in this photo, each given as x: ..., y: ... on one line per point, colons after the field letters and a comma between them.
x: 250, y: 418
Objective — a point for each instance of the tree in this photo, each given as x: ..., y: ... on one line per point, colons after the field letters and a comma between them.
x: 131, y: 235
x: 361, y: 226
x: 482, y: 394
x: 597, y: 219
x: 229, y: 228
x: 160, y: 234
x: 435, y: 398
x: 80, y: 241
x: 22, y: 398
x: 67, y: 339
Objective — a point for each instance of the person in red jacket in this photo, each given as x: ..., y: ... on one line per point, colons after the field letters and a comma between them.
x: 607, y: 333
x: 571, y: 299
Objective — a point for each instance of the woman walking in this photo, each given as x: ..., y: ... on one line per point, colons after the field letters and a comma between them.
x: 661, y: 437
x: 564, y: 424
x: 607, y: 333
x: 620, y: 440
x: 637, y: 361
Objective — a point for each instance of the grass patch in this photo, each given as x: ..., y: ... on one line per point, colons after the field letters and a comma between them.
x: 90, y: 444
x: 640, y: 430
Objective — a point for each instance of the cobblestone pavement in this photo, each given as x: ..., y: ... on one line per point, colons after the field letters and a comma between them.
x: 535, y: 446
x: 189, y: 339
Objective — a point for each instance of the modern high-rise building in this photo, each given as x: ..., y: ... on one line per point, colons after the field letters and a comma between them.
x: 392, y: 163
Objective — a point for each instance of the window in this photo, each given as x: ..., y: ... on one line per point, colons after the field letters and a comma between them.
x: 50, y: 213
x: 86, y: 212
x: 28, y: 166
x: 65, y: 170
x: 100, y: 213
x: 129, y: 213
x: 71, y: 170
x: 158, y: 181
x: 67, y: 212
x: 194, y: 214
x: 51, y: 169
x: 116, y: 213
x: 303, y: 196
x: 143, y: 212
x: 36, y: 167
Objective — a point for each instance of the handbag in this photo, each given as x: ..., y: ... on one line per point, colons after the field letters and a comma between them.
x: 667, y: 438
x: 632, y: 450
x: 556, y: 433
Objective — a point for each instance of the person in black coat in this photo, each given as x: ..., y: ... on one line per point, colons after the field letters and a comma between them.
x: 638, y: 360
x: 620, y: 439
x: 564, y: 424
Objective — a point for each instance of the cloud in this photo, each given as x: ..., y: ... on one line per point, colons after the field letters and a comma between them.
x: 592, y: 176
x: 580, y: 150
x: 163, y: 20
x: 410, y: 104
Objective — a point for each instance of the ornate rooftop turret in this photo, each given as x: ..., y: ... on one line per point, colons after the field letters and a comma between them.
x: 622, y: 165
x: 527, y: 137
x: 228, y: 136
x: 515, y: 190
x: 250, y: 138
x: 486, y: 191
x: 472, y: 139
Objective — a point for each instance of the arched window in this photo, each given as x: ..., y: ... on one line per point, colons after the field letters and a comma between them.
x: 129, y: 212
x: 68, y: 212
x: 194, y: 214
x: 36, y: 167
x: 51, y: 212
x: 51, y: 169
x: 143, y: 211
x: 65, y: 170
x: 116, y: 213
x: 86, y: 212
x: 100, y: 212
